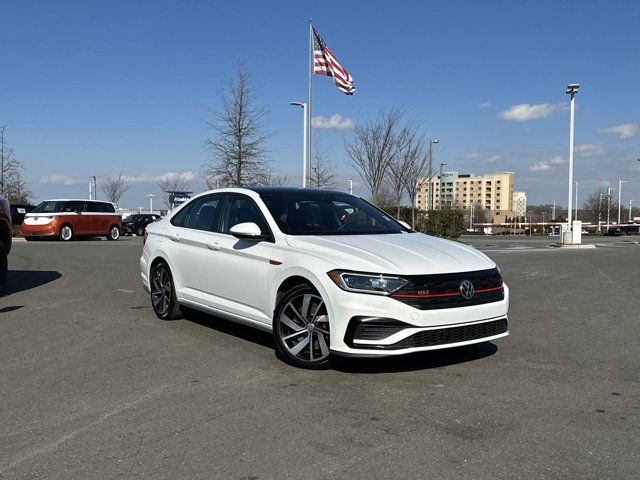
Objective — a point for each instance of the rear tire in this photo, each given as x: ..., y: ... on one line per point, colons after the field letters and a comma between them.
x: 163, y: 293
x: 139, y: 232
x: 66, y: 233
x: 114, y: 233
x: 301, y: 329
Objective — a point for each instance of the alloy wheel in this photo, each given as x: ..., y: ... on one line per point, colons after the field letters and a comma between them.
x: 161, y: 289
x: 115, y: 233
x: 66, y: 233
x: 304, y: 328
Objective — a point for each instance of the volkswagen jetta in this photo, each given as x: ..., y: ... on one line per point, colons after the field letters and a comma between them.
x: 327, y: 272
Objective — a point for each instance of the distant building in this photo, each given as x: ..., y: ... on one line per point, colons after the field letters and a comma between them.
x: 519, y: 204
x: 492, y: 192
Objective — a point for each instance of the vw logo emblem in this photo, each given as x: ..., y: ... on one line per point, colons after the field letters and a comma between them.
x: 466, y: 289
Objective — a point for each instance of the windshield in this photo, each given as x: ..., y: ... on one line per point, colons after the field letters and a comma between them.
x: 330, y: 213
x: 53, y: 206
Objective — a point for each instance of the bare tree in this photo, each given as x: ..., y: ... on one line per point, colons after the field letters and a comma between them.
x: 414, y: 167
x: 238, y: 151
x: 12, y: 184
x: 273, y: 180
x: 374, y: 147
x: 322, y: 176
x: 114, y: 188
x: 594, y: 209
x: 172, y: 184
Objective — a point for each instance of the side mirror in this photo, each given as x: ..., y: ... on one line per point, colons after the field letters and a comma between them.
x: 247, y: 231
x: 405, y: 225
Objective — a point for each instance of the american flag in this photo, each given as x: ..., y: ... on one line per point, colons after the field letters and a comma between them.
x: 325, y: 63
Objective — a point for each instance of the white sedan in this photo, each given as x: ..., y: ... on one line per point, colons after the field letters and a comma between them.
x: 327, y: 272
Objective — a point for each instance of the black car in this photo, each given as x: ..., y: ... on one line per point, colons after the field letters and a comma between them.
x: 5, y: 238
x: 18, y: 213
x: 137, y: 223
x: 623, y: 229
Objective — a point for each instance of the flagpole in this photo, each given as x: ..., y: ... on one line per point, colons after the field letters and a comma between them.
x: 310, y: 78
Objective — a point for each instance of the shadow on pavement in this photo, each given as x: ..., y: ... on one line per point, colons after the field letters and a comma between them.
x: 21, y: 280
x: 229, y: 327
x: 418, y: 361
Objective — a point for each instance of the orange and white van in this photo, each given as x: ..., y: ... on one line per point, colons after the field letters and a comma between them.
x: 67, y: 219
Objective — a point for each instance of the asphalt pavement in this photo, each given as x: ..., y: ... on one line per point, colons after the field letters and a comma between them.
x: 95, y: 386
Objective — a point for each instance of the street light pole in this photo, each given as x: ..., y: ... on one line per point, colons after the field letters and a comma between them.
x: 576, y: 215
x: 305, y: 143
x: 620, y: 182
x: 440, y: 196
x: 350, y: 187
x: 572, y: 89
x: 429, y: 186
x: 95, y: 188
x: 609, y: 207
x: 151, y: 195
x: 630, y: 203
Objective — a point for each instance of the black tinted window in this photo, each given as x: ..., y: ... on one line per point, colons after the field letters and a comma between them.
x: 328, y: 214
x: 180, y: 218
x: 241, y: 209
x: 205, y: 213
x: 75, y: 206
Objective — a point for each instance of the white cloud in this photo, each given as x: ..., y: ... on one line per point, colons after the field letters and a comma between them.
x: 589, y: 150
x: 146, y: 178
x: 547, y: 165
x: 472, y: 156
x: 495, y: 159
x: 64, y: 180
x: 540, y: 167
x: 626, y: 130
x: 524, y: 112
x: 335, y: 122
x: 485, y: 105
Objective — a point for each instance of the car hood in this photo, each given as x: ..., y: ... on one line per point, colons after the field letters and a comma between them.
x: 403, y: 253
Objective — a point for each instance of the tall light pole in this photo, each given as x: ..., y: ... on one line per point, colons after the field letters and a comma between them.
x: 572, y: 89
x: 151, y: 195
x: 429, y: 186
x: 620, y: 182
x: 350, y: 187
x: 600, y: 212
x: 441, y: 189
x: 305, y: 143
x: 576, y: 215
x: 609, y: 207
x: 630, y: 203
x: 553, y: 214
x: 95, y: 187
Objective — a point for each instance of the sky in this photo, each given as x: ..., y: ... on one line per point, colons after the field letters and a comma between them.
x: 102, y: 88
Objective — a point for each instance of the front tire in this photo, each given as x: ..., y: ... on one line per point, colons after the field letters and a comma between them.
x: 139, y: 232
x: 301, y: 329
x: 114, y: 233
x: 66, y: 233
x: 163, y: 293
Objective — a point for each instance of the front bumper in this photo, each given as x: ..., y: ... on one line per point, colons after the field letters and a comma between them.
x: 33, y: 231
x: 408, y: 329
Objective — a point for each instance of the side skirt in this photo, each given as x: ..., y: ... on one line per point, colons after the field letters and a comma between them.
x: 219, y: 313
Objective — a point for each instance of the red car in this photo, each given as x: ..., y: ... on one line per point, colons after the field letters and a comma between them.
x: 5, y: 238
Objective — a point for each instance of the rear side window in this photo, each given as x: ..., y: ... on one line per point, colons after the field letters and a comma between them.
x: 75, y: 206
x: 180, y: 218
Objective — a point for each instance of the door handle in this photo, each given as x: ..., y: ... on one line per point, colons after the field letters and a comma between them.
x: 175, y: 238
x: 213, y: 246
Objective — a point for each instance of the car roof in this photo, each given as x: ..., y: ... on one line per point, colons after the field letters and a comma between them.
x: 75, y: 200
x: 268, y: 191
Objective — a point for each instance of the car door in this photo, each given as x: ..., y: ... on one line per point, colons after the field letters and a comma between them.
x: 81, y: 219
x: 237, y: 272
x: 191, y: 243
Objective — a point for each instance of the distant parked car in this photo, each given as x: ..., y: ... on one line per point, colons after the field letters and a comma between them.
x: 18, y: 212
x: 623, y: 229
x: 5, y: 238
x: 68, y: 219
x: 137, y: 223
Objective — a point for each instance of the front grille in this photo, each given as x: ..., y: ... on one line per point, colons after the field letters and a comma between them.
x: 444, y: 336
x: 430, y: 292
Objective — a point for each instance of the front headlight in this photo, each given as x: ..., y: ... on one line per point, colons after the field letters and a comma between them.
x: 367, y: 282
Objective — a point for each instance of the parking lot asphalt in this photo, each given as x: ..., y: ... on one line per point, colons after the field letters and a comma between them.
x: 95, y: 386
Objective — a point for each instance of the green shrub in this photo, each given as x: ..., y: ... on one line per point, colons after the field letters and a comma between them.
x: 446, y: 223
